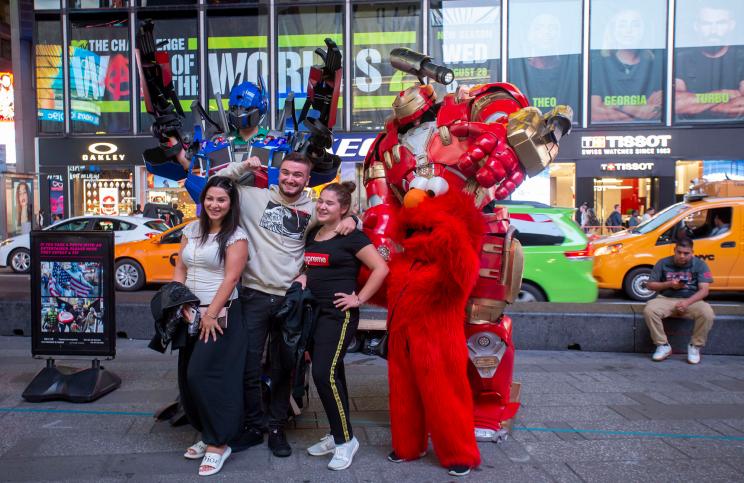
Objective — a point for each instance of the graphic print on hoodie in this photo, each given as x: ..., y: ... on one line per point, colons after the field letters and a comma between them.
x: 284, y: 221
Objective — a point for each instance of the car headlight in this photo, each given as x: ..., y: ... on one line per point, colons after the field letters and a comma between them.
x: 6, y: 242
x: 608, y: 249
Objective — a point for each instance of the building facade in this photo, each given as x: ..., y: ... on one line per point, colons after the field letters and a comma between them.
x: 657, y: 86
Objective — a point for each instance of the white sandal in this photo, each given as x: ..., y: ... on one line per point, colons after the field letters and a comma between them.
x: 196, y: 451
x: 215, y: 461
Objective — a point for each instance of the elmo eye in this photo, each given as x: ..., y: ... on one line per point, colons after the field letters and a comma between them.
x: 436, y: 186
x: 418, y: 183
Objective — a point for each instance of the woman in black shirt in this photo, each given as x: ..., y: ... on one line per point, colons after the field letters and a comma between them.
x: 333, y: 262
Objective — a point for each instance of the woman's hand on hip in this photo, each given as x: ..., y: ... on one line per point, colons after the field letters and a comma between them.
x: 209, y: 326
x: 345, y: 301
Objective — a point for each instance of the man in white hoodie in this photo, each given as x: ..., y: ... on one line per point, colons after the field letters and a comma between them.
x: 276, y: 220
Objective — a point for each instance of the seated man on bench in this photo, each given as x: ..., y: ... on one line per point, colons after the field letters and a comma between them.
x: 682, y: 281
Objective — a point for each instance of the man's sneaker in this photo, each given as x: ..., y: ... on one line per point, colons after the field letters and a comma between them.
x: 662, y: 352
x: 693, y: 354
x: 343, y: 454
x: 278, y: 443
x: 247, y: 438
x: 459, y: 470
x: 397, y: 459
x: 326, y: 445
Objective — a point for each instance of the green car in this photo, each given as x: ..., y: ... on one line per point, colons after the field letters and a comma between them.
x: 558, y: 258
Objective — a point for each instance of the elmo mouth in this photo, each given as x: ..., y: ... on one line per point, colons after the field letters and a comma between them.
x: 410, y: 232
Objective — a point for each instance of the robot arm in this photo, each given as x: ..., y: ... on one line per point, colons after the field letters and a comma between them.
x: 323, y: 91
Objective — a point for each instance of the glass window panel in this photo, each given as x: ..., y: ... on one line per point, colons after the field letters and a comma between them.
x: 46, y: 4
x: 165, y: 3
x: 97, y: 3
x: 545, y: 51
x: 466, y: 37
x: 100, y: 75
x: 377, y: 31
x: 49, y: 81
x: 237, y: 51
x: 709, y: 61
x: 179, y: 36
x: 627, y: 58
x: 301, y: 31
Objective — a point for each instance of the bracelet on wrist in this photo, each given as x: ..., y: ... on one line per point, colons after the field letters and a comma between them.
x: 211, y: 316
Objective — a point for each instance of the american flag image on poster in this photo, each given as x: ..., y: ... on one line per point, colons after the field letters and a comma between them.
x: 61, y: 282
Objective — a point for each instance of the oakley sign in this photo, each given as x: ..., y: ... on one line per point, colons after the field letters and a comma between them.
x: 626, y: 145
x: 103, y: 152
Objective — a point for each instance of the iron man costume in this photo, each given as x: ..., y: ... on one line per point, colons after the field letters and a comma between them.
x: 483, y: 141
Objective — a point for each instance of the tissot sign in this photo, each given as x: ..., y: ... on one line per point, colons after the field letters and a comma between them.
x: 636, y: 145
x: 82, y: 151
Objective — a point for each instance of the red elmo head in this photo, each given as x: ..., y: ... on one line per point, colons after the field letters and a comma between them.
x: 443, y: 229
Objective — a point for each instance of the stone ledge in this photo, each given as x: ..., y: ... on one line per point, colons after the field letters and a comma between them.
x: 541, y: 326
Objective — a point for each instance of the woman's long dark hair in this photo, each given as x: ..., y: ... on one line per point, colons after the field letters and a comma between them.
x: 231, y: 220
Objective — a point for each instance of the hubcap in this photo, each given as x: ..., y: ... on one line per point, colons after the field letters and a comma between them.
x: 21, y: 261
x: 525, y: 296
x: 127, y: 276
x: 639, y: 285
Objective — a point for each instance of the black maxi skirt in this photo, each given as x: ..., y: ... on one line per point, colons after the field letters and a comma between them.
x: 212, y: 391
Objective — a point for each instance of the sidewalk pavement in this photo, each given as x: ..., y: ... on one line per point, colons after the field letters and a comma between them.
x: 584, y: 417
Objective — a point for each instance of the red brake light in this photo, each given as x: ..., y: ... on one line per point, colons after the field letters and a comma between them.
x: 152, y: 234
x: 584, y: 254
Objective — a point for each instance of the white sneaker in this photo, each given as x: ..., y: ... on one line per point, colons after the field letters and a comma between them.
x: 662, y: 352
x: 343, y: 455
x: 693, y: 354
x: 326, y: 445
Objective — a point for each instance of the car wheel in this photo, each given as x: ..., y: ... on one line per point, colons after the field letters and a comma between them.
x: 128, y: 276
x: 20, y: 260
x: 635, y: 284
x: 355, y: 343
x: 530, y: 293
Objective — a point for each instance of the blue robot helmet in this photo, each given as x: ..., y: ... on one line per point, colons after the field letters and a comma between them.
x: 247, y: 105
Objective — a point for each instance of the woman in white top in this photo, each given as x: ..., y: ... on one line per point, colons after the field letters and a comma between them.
x: 213, y: 252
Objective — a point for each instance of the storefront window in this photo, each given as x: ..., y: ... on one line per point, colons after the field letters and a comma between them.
x: 563, y: 184
x: 377, y: 31
x: 49, y: 82
x: 627, y: 61
x: 466, y: 37
x: 301, y: 31
x: 19, y: 202
x: 97, y: 3
x: 687, y: 174
x: 46, y: 4
x: 100, y: 75
x: 181, y: 43
x: 101, y: 192
x: 237, y: 51
x: 709, y: 61
x: 545, y: 52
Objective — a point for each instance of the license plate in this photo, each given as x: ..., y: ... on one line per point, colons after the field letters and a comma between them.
x: 485, y: 362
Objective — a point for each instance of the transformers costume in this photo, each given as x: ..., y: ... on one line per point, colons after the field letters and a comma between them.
x: 481, y: 142
x: 214, y: 144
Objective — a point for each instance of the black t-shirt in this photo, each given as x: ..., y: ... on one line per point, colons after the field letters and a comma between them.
x: 619, y: 84
x: 693, y: 273
x: 332, y: 265
x: 703, y: 75
x: 546, y: 88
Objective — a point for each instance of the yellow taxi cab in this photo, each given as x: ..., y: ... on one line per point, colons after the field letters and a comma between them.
x: 623, y: 261
x: 147, y: 261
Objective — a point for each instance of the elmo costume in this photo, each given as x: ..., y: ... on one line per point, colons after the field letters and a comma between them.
x: 428, y: 286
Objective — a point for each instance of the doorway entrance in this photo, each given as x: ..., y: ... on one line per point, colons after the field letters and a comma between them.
x: 630, y: 193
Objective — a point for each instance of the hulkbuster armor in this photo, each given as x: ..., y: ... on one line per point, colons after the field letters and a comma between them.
x: 484, y: 141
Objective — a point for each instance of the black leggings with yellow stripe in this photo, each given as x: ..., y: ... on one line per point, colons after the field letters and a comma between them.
x: 334, y: 330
